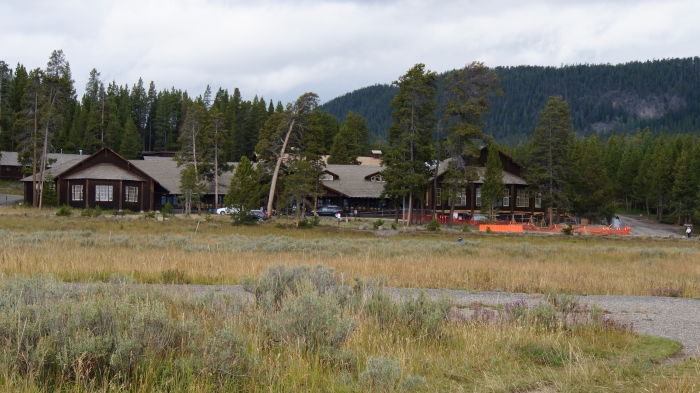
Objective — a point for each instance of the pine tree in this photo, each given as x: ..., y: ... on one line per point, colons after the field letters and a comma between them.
x: 410, y: 136
x: 244, y: 192
x: 342, y: 149
x: 277, y: 134
x: 589, y: 189
x: 549, y: 163
x: 130, y: 147
x: 493, y: 188
x: 684, y: 189
x: 465, y: 99
x: 661, y: 177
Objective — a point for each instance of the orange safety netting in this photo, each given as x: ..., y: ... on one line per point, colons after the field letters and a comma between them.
x: 581, y: 229
x: 505, y: 228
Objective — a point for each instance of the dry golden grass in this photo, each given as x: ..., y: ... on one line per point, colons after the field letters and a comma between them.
x: 93, y: 249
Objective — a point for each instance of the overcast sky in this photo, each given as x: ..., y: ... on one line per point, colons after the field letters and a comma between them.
x: 280, y: 49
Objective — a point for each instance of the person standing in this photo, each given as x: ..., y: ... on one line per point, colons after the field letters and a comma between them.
x: 687, y: 231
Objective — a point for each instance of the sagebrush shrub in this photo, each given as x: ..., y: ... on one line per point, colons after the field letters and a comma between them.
x: 311, y: 320
x: 382, y: 374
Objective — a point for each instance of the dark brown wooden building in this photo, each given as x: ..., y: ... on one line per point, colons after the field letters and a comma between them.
x: 518, y: 199
x: 103, y: 179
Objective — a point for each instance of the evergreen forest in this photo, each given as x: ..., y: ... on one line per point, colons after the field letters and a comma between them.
x: 605, y: 99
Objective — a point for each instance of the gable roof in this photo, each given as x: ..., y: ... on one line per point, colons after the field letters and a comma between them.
x: 55, y: 170
x: 11, y: 158
x: 105, y: 172
x: 351, y: 181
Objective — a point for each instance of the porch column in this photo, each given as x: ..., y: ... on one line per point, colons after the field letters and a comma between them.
x: 121, y: 194
x: 87, y: 185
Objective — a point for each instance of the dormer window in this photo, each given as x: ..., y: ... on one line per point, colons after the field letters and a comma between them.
x: 325, y: 176
x: 377, y: 178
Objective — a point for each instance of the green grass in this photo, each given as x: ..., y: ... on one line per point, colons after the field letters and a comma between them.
x: 11, y: 187
x: 301, y: 334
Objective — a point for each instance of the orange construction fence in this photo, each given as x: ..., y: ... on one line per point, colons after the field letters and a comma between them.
x: 505, y: 228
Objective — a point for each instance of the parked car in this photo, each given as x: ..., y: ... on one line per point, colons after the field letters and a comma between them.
x: 479, y: 218
x: 257, y: 215
x: 328, y: 210
x: 226, y: 210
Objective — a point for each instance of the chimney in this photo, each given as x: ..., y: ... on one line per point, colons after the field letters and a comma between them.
x: 376, y: 154
x: 81, y: 154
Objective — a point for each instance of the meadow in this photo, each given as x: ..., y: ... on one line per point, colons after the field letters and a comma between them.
x: 297, y: 329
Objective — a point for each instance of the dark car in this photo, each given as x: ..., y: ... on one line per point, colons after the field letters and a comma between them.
x: 328, y: 211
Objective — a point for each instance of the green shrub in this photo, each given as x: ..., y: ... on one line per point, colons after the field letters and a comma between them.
x: 311, y: 320
x: 381, y: 375
x: 151, y: 214
x: 433, y: 225
x: 377, y: 224
x: 466, y: 228
x: 393, y: 225
x: 424, y: 317
x: 569, y: 230
x: 279, y: 281
x: 304, y: 223
x: 413, y: 383
x: 167, y: 209
x: 64, y: 211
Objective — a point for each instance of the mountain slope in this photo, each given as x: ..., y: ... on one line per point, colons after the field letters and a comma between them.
x: 661, y: 94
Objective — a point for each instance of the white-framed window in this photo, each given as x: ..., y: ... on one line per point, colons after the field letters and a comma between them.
x: 325, y: 176
x: 438, y: 196
x: 478, y: 196
x: 522, y: 199
x: 131, y: 194
x: 506, y: 198
x: 377, y: 178
x: 76, y: 192
x: 538, y: 200
x: 462, y: 198
x: 104, y: 193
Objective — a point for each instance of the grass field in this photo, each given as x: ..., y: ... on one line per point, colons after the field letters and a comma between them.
x: 93, y: 249
x: 301, y: 336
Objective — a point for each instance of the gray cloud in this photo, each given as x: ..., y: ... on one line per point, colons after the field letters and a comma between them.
x: 280, y: 49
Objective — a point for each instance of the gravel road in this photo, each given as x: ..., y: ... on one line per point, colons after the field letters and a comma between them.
x: 674, y: 318
x: 642, y: 226
x: 8, y: 199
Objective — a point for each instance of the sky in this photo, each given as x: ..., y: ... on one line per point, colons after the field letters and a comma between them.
x: 280, y: 49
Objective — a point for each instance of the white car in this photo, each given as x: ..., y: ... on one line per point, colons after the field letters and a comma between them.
x: 226, y: 210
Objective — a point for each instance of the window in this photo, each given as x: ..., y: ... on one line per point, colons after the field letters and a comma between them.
x: 77, y: 192
x: 325, y: 176
x: 538, y: 200
x: 478, y: 196
x: 131, y: 194
x: 506, y: 198
x: 438, y: 196
x: 461, y: 199
x: 522, y: 199
x: 376, y: 178
x: 103, y: 194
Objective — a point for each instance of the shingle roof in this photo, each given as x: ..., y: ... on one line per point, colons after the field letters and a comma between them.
x: 351, y: 181
x: 11, y: 158
x: 508, y: 178
x: 165, y: 171
x: 105, y: 172
x: 56, y: 169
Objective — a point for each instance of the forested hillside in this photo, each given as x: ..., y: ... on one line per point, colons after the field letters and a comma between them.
x: 371, y: 102
x: 605, y: 99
